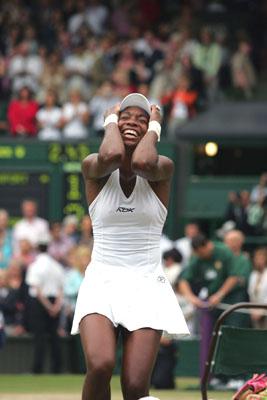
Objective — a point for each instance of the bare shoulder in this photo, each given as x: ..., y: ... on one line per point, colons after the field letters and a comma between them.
x: 167, y: 164
x: 93, y: 182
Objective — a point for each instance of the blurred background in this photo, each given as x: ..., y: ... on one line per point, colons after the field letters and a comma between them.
x: 62, y: 64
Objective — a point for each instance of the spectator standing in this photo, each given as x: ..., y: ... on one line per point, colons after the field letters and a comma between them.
x: 260, y: 190
x: 22, y: 114
x: 257, y: 287
x: 5, y: 240
x: 31, y: 226
x: 184, y: 244
x: 235, y: 240
x: 207, y: 56
x: 48, y: 118
x: 243, y: 71
x: 45, y: 278
x: 208, y: 279
x: 75, y: 117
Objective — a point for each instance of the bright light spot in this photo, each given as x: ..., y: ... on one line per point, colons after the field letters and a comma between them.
x: 211, y: 149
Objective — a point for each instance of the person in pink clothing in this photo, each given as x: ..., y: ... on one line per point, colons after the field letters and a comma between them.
x: 22, y: 114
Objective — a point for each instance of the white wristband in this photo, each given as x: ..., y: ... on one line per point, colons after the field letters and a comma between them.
x: 155, y: 127
x: 111, y: 118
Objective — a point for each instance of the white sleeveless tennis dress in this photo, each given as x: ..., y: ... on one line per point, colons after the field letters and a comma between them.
x: 125, y: 280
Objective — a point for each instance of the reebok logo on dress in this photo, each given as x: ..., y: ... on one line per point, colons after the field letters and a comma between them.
x: 125, y: 209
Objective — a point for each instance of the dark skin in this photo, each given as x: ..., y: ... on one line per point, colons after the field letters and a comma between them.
x: 129, y: 147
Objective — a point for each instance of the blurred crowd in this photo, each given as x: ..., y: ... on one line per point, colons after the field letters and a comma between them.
x: 247, y: 210
x: 63, y: 63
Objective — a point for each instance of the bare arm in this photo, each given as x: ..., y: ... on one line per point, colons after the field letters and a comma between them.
x: 146, y: 162
x: 228, y: 285
x: 185, y: 290
x: 111, y: 152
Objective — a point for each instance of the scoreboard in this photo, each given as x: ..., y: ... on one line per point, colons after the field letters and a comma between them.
x: 50, y: 173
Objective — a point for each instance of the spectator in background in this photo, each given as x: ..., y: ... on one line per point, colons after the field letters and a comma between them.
x: 75, y: 117
x: 77, y: 67
x: 184, y: 244
x: 182, y: 102
x: 25, y: 68
x: 260, y: 190
x: 243, y: 71
x: 22, y: 114
x: 60, y: 243
x: 208, y: 279
x: 25, y: 254
x: 45, y: 278
x: 103, y: 99
x: 235, y: 240
x: 207, y: 56
x: 237, y: 211
x: 6, y: 250
x: 96, y: 17
x: 257, y: 287
x: 53, y: 76
x: 70, y: 227
x: 86, y: 232
x: 4, y: 95
x: 48, y: 118
x: 31, y: 226
x: 172, y: 265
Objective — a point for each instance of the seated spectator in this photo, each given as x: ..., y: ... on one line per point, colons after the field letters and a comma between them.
x: 86, y: 232
x: 10, y: 284
x: 6, y: 250
x: 48, y: 118
x: 77, y: 69
x: 31, y: 226
x: 172, y: 265
x: 60, y: 243
x: 257, y: 287
x: 104, y: 99
x: 75, y: 117
x: 243, y: 71
x: 25, y: 68
x: 25, y: 254
x: 22, y: 114
x: 182, y: 102
x: 4, y: 95
x: 53, y: 76
x: 70, y: 227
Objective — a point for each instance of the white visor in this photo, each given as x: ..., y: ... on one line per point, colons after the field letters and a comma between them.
x: 136, y: 100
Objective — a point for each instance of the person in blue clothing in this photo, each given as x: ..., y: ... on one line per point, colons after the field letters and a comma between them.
x: 5, y: 240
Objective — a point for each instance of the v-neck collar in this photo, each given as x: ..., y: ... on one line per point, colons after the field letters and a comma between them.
x: 126, y: 198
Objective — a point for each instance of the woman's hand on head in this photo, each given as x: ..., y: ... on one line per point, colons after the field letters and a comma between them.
x: 113, y: 110
x: 155, y: 113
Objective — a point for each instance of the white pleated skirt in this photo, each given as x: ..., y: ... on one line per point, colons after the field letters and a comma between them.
x: 131, y: 298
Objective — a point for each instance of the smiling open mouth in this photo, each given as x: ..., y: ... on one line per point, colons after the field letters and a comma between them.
x: 130, y: 132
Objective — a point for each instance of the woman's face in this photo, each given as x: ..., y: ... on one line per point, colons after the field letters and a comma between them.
x: 133, y: 125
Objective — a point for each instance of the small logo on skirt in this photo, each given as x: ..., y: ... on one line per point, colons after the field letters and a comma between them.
x: 161, y: 279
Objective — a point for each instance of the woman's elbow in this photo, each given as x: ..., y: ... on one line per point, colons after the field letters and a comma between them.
x: 111, y: 156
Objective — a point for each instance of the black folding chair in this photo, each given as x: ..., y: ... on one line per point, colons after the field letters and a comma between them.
x: 235, y: 350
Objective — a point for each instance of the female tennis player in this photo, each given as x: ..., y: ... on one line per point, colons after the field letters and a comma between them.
x: 124, y: 290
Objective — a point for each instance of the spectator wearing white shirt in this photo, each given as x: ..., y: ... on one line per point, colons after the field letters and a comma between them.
x: 184, y: 244
x: 45, y: 277
x: 75, y: 117
x: 257, y: 287
x: 31, y: 226
x: 102, y: 101
x: 48, y: 118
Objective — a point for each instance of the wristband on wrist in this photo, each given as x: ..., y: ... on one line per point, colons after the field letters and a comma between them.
x: 111, y: 118
x: 155, y: 126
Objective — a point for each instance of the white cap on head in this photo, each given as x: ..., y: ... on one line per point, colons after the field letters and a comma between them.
x: 136, y: 100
